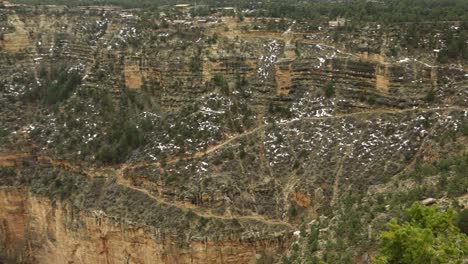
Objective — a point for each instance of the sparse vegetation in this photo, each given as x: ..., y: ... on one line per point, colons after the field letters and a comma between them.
x: 299, y: 127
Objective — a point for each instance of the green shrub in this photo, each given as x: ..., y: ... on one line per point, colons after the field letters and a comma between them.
x: 3, y: 132
x: 58, y: 83
x: 430, y: 96
x: 329, y: 90
x: 429, y: 236
x: 462, y: 221
x: 123, y: 138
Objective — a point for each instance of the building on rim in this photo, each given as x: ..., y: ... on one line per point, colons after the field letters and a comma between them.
x: 183, y: 7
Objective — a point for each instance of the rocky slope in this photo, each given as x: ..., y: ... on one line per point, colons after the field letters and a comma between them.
x: 127, y: 140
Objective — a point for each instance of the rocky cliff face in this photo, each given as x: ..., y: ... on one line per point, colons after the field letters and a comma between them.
x: 127, y: 141
x: 36, y: 230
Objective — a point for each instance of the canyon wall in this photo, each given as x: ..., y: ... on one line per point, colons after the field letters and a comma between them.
x: 125, y: 141
x: 35, y: 230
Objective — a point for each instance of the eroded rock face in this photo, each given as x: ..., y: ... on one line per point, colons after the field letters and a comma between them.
x: 35, y: 231
x: 13, y: 224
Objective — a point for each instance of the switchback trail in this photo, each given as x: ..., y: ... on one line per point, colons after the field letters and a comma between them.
x: 10, y: 159
x: 262, y: 126
x: 94, y: 172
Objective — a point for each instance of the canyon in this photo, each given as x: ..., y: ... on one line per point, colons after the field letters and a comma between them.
x: 128, y: 138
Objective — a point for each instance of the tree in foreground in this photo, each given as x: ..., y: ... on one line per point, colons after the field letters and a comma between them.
x: 429, y: 236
